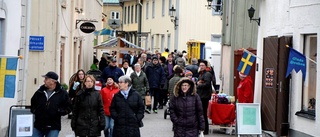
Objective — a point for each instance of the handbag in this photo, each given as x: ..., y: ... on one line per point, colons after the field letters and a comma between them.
x: 147, y: 99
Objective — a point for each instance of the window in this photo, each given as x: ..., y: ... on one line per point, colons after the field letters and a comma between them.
x: 128, y: 14
x: 2, y: 35
x: 124, y: 15
x: 162, y: 43
x: 132, y: 14
x: 216, y: 38
x: 217, y: 8
x: 153, y: 8
x: 115, y: 15
x: 163, y: 7
x: 168, y: 41
x: 309, y: 85
x: 152, y: 43
x: 147, y: 10
x: 170, y: 5
x: 136, y: 17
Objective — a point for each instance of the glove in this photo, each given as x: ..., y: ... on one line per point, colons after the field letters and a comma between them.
x: 75, y: 85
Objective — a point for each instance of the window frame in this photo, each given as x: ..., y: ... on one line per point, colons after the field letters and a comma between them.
x: 305, y: 112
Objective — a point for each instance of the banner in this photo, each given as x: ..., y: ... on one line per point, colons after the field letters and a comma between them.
x: 297, y: 62
x: 8, y: 67
x: 103, y: 32
x: 246, y: 63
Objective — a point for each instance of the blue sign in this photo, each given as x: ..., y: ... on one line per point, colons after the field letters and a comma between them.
x: 297, y: 62
x: 36, y: 43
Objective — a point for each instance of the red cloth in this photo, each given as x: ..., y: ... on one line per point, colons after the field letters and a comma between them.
x: 107, y: 94
x: 222, y: 113
x: 245, y: 90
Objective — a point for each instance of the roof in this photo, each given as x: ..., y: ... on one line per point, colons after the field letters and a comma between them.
x: 112, y: 43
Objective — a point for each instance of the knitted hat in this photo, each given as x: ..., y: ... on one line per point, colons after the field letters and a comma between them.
x: 154, y: 57
x: 110, y: 76
x: 188, y: 73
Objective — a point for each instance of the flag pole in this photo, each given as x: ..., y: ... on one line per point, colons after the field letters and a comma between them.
x: 305, y: 56
x: 11, y: 56
x: 251, y: 53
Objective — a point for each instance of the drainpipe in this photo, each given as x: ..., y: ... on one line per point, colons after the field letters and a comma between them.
x: 57, y: 44
x: 26, y: 55
x: 139, y: 22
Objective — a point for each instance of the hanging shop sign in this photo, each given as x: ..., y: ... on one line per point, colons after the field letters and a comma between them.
x: 87, y: 27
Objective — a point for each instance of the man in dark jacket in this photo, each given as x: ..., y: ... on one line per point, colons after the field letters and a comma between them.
x: 194, y: 67
x: 48, y: 104
x: 204, y: 90
x: 156, y: 78
x: 111, y: 70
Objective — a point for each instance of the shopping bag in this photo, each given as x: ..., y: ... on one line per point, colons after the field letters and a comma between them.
x: 201, y: 134
x: 147, y: 99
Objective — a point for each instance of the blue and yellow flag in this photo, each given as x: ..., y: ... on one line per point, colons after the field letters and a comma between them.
x: 8, y: 67
x: 246, y: 63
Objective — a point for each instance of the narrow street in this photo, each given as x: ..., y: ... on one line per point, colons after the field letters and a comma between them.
x: 154, y: 126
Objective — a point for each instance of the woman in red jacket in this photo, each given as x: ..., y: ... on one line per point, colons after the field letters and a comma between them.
x: 245, y: 89
x: 107, y: 94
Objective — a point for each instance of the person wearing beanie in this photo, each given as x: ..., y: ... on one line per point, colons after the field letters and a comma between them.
x: 245, y: 89
x: 107, y: 94
x: 189, y: 75
x: 204, y: 90
x: 156, y: 78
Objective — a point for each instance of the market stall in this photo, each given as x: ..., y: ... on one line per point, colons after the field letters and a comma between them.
x: 222, y: 112
x: 120, y: 45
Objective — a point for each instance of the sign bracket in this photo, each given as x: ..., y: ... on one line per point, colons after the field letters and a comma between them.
x: 78, y: 21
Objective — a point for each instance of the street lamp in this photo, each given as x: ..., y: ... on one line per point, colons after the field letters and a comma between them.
x: 251, y: 14
x: 174, y: 19
x: 216, y: 5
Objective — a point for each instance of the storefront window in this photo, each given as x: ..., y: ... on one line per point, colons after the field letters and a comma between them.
x: 309, y: 85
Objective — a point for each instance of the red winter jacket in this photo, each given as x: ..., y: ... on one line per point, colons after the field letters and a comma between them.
x: 245, y: 90
x: 107, y: 94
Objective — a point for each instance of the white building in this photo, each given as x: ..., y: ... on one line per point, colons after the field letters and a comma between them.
x: 12, y: 39
x: 191, y: 21
x: 66, y: 47
x: 299, y: 20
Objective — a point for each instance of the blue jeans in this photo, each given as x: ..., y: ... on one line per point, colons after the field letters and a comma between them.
x: 109, y: 126
x: 45, y: 133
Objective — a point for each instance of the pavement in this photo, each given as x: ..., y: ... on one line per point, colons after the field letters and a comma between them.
x: 154, y: 126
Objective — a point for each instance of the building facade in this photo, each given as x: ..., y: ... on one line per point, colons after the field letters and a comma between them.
x: 13, y: 26
x: 298, y: 20
x: 66, y: 47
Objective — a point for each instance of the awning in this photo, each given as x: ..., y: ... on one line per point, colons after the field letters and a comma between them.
x: 112, y: 43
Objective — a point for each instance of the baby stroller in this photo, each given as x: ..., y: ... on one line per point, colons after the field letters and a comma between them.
x: 166, y: 111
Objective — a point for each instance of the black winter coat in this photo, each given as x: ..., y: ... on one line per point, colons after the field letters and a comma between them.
x: 186, y: 111
x: 204, y: 89
x: 88, y: 114
x: 155, y: 75
x: 48, y: 111
x: 127, y: 114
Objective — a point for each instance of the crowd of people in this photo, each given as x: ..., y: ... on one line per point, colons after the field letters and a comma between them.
x: 119, y: 107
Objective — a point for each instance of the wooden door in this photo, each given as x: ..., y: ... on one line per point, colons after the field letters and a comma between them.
x: 237, y: 58
x: 275, y: 87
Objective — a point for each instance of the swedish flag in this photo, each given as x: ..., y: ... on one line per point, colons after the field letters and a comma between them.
x: 246, y: 63
x: 8, y: 67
